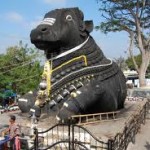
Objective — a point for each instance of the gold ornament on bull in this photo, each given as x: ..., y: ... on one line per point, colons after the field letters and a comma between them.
x: 45, y: 84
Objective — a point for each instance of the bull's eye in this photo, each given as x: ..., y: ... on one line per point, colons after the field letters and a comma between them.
x: 69, y: 17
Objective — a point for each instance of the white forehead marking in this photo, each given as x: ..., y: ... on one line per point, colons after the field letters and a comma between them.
x: 48, y: 21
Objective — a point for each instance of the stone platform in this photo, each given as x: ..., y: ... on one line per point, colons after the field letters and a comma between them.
x: 103, y: 130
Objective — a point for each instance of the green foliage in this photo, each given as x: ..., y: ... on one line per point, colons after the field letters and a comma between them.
x: 130, y: 64
x: 138, y: 59
x: 20, y: 68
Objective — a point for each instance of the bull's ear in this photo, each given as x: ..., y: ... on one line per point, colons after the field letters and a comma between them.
x: 89, y: 26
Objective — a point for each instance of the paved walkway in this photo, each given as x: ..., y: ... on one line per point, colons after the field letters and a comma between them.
x: 142, y: 138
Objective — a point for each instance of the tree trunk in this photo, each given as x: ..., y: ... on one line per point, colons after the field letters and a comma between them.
x: 143, y: 68
x: 142, y: 80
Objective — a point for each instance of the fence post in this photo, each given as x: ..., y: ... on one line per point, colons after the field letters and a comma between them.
x: 69, y: 134
x: 72, y: 140
x: 125, y: 137
x: 36, y: 138
x: 145, y: 113
x: 148, y: 109
x: 110, y: 144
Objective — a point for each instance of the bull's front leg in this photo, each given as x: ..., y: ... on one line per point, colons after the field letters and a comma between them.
x: 39, y: 103
x: 81, y: 102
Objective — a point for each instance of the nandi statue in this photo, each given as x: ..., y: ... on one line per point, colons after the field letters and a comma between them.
x: 77, y: 78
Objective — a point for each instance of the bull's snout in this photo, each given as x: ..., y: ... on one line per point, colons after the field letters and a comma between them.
x: 43, y: 28
x: 40, y: 34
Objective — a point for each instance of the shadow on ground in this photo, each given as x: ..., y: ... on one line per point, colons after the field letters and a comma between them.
x: 147, y: 145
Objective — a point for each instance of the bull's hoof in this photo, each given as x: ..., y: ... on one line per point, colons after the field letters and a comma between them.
x: 36, y: 110
x: 64, y: 116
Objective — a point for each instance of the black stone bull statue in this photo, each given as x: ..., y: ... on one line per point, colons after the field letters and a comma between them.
x: 82, y: 79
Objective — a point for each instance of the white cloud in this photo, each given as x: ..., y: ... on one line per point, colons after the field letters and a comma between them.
x: 55, y: 2
x: 32, y: 24
x: 14, y: 17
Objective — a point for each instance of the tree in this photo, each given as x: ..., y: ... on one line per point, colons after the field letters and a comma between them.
x: 20, y: 68
x: 133, y: 17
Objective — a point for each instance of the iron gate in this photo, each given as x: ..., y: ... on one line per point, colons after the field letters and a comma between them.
x: 68, y: 137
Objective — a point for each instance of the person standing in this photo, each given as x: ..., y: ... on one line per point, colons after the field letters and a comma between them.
x: 13, y: 132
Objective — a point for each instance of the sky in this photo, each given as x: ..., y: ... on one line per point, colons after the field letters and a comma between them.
x: 19, y: 17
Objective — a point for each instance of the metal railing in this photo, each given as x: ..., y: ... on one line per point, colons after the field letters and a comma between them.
x: 131, y: 128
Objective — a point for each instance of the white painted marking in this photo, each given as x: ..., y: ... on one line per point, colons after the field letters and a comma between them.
x: 65, y: 104
x: 48, y: 21
x: 23, y: 100
x: 32, y: 110
x: 57, y: 118
x: 78, y: 92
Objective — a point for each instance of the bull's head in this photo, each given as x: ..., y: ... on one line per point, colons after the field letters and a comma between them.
x: 60, y: 30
